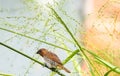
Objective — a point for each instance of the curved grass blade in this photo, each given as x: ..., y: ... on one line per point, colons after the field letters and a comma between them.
x: 107, y: 73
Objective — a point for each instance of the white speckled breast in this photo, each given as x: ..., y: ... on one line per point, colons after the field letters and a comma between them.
x: 50, y: 63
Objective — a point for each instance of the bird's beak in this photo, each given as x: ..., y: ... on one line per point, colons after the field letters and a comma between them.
x: 37, y: 52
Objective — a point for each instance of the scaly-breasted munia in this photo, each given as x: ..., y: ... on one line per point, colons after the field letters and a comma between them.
x: 51, y: 59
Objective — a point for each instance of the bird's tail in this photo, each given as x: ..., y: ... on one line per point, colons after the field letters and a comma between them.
x: 66, y: 69
x: 62, y: 67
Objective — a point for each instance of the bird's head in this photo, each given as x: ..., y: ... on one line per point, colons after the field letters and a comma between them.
x: 42, y: 51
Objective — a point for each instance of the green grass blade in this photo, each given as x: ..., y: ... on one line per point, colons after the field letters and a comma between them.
x: 107, y: 73
x: 34, y: 39
x: 29, y: 57
x: 117, y: 70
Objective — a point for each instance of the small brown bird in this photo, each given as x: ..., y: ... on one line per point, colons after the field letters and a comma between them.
x: 51, y: 59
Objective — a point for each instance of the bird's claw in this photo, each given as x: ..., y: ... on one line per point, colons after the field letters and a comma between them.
x: 53, y: 69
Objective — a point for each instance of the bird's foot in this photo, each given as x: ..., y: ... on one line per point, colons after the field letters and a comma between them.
x: 53, y: 69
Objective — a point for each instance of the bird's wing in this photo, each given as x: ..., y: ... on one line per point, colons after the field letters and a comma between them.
x: 54, y: 57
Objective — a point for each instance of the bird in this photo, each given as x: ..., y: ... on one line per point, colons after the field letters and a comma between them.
x: 51, y: 59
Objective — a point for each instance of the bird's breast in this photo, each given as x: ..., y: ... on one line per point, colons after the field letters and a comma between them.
x: 50, y: 63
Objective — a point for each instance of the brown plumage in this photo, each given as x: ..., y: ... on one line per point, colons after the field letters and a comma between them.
x: 51, y: 59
